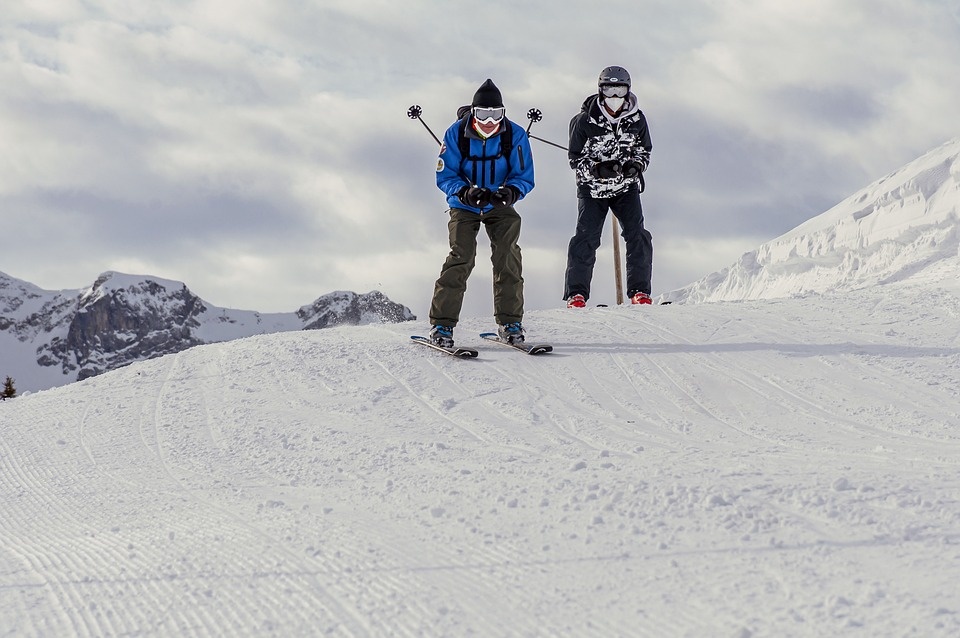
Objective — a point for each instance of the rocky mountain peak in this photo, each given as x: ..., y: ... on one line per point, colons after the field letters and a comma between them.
x: 75, y: 334
x: 350, y: 308
x: 122, y: 319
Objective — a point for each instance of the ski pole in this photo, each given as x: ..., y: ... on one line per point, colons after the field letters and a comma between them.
x: 535, y: 115
x: 617, y: 268
x: 562, y: 148
x: 414, y: 114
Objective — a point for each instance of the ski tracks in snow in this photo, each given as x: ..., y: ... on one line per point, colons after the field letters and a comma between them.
x: 677, y: 470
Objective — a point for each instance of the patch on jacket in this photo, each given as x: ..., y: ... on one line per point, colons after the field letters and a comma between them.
x: 439, y: 164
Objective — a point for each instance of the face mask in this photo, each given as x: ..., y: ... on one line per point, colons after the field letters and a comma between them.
x: 614, y: 103
x: 485, y: 130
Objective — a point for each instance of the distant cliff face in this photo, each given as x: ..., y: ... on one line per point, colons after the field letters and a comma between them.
x: 349, y: 308
x: 122, y: 319
x: 115, y: 326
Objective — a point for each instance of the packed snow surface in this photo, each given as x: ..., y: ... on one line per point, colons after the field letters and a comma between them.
x: 765, y: 468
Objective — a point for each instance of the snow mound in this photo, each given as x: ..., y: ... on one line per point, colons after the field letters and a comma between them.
x: 888, y: 231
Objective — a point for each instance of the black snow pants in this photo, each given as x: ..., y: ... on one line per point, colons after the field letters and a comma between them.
x: 582, y: 251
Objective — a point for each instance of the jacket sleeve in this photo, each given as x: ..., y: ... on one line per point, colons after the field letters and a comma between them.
x: 521, y: 164
x: 450, y: 177
x: 582, y: 160
x: 643, y: 146
x: 579, y: 161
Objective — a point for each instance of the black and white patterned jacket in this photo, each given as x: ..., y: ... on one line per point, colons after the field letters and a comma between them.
x: 595, y: 138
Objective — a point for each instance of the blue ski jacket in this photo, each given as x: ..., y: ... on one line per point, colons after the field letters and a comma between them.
x: 485, y: 165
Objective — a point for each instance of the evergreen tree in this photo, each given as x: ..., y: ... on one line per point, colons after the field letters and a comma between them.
x: 9, y: 391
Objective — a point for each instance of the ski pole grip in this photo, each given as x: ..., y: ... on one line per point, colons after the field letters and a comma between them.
x: 414, y: 114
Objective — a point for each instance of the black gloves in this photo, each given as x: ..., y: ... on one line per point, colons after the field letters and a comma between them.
x: 478, y: 197
x: 505, y: 196
x: 632, y: 168
x: 607, y: 170
x: 613, y: 168
x: 474, y: 196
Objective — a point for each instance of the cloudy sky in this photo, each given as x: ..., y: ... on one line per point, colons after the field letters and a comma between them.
x: 260, y: 151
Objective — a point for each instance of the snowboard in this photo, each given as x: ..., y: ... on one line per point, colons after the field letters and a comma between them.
x: 462, y: 353
x: 529, y: 348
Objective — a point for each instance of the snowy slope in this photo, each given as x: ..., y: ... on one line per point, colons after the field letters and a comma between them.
x: 765, y: 468
x: 883, y: 233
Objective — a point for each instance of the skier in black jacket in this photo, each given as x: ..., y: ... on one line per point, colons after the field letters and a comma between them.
x: 609, y: 150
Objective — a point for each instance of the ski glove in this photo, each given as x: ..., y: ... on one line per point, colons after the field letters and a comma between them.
x: 505, y: 196
x: 607, y: 170
x: 474, y: 196
x: 632, y: 168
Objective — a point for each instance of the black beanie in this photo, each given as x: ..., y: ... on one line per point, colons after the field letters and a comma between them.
x: 487, y: 95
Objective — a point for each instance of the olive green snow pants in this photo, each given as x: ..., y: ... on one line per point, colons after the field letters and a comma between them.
x: 503, y: 229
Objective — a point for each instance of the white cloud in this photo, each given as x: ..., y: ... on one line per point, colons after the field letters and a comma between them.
x: 260, y: 151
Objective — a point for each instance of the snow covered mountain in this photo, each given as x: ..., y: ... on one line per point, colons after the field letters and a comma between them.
x: 52, y: 338
x: 891, y: 229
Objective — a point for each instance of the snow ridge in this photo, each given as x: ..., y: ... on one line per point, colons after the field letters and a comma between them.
x: 888, y: 231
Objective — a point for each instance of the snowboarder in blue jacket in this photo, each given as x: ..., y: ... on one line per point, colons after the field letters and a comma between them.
x: 485, y: 167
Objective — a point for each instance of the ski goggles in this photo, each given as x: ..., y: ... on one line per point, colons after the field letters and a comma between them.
x: 488, y: 114
x: 614, y: 90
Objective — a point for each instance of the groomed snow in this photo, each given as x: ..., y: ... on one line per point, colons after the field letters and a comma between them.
x: 765, y: 468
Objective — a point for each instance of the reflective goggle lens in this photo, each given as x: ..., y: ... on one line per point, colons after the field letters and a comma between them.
x: 614, y: 90
x: 484, y: 114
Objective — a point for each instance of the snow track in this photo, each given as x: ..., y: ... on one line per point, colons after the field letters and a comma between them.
x: 763, y: 468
